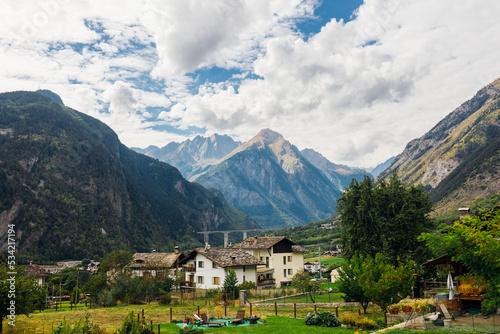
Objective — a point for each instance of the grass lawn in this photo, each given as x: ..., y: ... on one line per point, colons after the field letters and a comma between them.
x: 275, y: 325
x: 319, y: 298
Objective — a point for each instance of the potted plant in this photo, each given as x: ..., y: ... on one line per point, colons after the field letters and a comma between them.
x: 263, y: 318
x: 393, y: 309
x: 406, y: 305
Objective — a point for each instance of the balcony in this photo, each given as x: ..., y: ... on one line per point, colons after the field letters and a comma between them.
x: 265, y: 284
x: 190, y: 269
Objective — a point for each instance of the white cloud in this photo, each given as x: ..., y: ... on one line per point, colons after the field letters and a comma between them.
x: 336, y: 92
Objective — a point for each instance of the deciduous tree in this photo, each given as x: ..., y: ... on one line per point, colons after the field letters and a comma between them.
x: 474, y: 242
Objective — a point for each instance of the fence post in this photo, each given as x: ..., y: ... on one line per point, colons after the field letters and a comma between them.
x: 170, y: 314
x: 275, y: 307
x: 225, y: 310
x: 337, y: 312
x: 250, y: 309
x: 151, y: 325
x: 314, y: 308
x: 138, y: 315
x: 198, y: 310
x: 359, y: 312
x: 158, y: 328
x: 295, y: 310
x: 385, y: 319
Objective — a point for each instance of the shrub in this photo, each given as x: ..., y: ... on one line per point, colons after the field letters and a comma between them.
x: 324, y: 319
x: 218, y: 310
x: 247, y: 285
x: 354, y: 320
x: 165, y: 299
x: 365, y: 323
x: 349, y: 319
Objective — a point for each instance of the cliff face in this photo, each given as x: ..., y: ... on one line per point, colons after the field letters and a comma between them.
x: 74, y: 191
x: 270, y: 180
x: 458, y: 153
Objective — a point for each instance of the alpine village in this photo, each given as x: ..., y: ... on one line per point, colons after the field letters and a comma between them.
x: 214, y: 234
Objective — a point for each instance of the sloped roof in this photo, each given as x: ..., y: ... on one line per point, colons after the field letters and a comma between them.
x: 36, y: 270
x: 154, y: 260
x: 227, y: 257
x: 260, y: 242
x: 299, y: 249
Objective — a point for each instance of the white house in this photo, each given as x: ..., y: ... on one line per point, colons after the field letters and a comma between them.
x: 207, y: 267
x: 283, y: 258
x: 313, y: 267
x: 158, y: 265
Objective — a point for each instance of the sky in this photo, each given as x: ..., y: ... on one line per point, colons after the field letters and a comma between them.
x: 354, y: 80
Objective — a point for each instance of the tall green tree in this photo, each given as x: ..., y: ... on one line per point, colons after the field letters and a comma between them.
x: 21, y: 288
x: 349, y: 282
x: 231, y: 283
x: 384, y: 283
x: 303, y: 283
x: 475, y: 243
x: 384, y: 218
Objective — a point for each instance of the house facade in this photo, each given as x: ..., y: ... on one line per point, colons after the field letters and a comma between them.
x: 156, y: 265
x: 282, y: 258
x: 206, y: 268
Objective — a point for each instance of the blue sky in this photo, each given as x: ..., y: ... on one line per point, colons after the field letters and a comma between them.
x: 353, y: 80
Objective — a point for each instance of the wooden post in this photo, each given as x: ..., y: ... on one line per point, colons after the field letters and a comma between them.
x: 385, y: 318
x: 198, y: 310
x: 138, y: 315
x: 275, y: 307
x: 337, y: 311
x: 151, y: 325
x: 359, y: 312
x: 142, y: 313
x: 250, y: 309
x: 295, y: 310
x: 225, y: 310
x: 158, y: 328
x: 314, y: 308
x: 170, y: 314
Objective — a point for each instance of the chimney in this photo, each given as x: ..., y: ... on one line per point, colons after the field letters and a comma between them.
x: 464, y: 212
x: 176, y: 249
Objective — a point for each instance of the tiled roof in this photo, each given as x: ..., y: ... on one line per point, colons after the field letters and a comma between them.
x: 260, y: 242
x: 36, y: 270
x: 299, y: 249
x: 229, y: 257
x: 154, y: 260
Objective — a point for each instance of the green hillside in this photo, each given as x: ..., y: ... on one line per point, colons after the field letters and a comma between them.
x: 74, y: 191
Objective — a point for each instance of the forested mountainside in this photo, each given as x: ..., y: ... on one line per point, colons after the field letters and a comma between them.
x: 72, y: 190
x: 458, y: 161
x: 269, y: 179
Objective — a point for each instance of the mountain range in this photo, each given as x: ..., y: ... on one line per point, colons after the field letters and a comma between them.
x: 458, y: 161
x: 266, y: 177
x: 73, y: 190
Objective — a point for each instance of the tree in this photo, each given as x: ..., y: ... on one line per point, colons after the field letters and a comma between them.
x: 116, y: 260
x: 303, y: 283
x: 231, y: 283
x: 349, y: 282
x: 28, y: 294
x: 384, y: 283
x: 475, y: 243
x: 384, y: 218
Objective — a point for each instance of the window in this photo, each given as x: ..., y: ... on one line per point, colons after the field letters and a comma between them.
x: 289, y: 258
x: 216, y: 281
x: 244, y: 268
x: 290, y: 272
x: 284, y: 272
x: 284, y: 259
x: 200, y: 279
x: 214, y: 265
x: 267, y: 261
x: 200, y: 264
x: 261, y: 259
x: 244, y: 278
